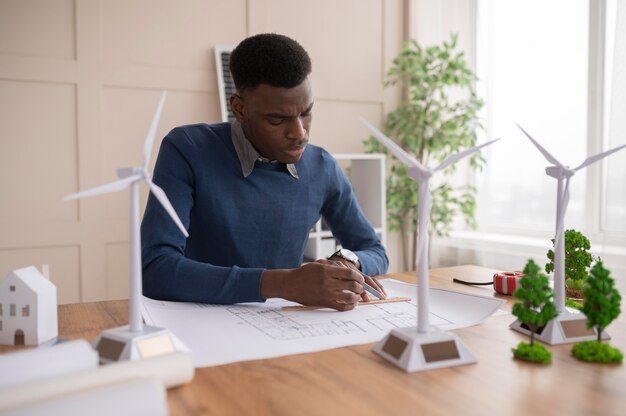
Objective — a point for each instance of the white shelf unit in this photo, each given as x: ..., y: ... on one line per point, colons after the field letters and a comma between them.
x: 366, y: 172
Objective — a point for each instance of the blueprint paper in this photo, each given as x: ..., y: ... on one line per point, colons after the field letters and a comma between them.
x: 222, y: 334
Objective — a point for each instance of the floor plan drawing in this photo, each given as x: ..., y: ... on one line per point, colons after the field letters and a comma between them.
x: 221, y: 334
x: 280, y: 325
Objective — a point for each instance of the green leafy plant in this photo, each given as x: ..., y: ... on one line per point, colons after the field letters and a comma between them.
x: 577, y: 262
x: 430, y: 125
x: 534, y: 309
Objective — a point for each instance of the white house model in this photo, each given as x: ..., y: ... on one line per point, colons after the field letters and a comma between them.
x: 28, y: 308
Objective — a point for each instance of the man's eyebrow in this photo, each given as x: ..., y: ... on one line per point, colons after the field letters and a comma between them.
x: 279, y: 115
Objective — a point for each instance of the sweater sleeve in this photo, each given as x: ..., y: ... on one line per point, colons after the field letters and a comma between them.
x: 167, y: 273
x: 348, y: 223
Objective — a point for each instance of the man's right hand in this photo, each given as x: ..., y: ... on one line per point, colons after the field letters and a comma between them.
x: 315, y: 284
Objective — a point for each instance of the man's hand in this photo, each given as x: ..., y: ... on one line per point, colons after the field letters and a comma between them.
x: 316, y: 284
x: 372, y: 281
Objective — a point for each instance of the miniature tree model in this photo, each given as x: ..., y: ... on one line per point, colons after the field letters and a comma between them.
x: 534, y: 310
x: 602, y: 306
x: 577, y: 263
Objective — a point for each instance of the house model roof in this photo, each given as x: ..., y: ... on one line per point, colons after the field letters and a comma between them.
x: 32, y: 278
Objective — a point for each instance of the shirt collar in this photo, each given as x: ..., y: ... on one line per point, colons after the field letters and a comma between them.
x: 248, y: 155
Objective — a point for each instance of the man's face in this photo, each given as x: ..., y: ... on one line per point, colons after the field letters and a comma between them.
x: 276, y: 120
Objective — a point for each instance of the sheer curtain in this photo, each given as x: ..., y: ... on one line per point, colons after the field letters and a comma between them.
x: 615, y: 220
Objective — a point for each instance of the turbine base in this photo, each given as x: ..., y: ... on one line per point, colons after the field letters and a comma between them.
x: 567, y: 328
x: 119, y: 344
x: 413, y: 351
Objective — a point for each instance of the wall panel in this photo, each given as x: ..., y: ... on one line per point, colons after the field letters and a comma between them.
x: 117, y: 272
x: 168, y: 34
x: 37, y: 28
x: 62, y: 263
x: 38, y: 147
x: 345, y: 41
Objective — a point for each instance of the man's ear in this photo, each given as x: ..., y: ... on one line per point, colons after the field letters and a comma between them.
x: 237, y: 107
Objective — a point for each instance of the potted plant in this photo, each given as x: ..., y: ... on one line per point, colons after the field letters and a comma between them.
x: 534, y: 309
x: 430, y: 125
x: 602, y: 306
x: 577, y: 262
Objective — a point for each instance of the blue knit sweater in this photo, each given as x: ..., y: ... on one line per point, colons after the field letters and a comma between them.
x: 238, y: 227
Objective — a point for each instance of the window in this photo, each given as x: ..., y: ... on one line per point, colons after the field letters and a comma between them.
x: 12, y: 288
x: 0, y: 309
x: 26, y: 311
x: 12, y: 311
x: 539, y: 71
x: 0, y: 324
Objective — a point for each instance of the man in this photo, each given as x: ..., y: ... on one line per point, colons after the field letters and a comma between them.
x: 249, y: 193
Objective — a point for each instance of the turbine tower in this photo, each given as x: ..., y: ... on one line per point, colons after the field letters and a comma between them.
x: 422, y: 347
x: 136, y: 340
x: 568, y: 326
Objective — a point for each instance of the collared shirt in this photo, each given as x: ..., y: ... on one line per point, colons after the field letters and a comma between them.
x: 248, y: 155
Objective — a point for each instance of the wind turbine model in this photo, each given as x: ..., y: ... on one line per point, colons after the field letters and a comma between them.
x: 425, y: 347
x: 568, y: 326
x: 136, y: 340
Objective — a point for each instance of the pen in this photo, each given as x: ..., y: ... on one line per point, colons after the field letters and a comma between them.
x: 371, y: 290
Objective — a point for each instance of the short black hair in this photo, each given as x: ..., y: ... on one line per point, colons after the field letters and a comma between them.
x: 269, y: 58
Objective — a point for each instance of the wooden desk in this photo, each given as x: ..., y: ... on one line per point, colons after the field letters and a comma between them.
x: 355, y: 381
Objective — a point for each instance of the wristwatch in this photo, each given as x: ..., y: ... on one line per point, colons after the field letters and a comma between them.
x: 346, y: 254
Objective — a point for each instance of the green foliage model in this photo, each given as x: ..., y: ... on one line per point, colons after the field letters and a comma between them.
x: 602, y: 306
x: 534, y: 309
x: 431, y: 126
x: 602, y: 300
x: 595, y: 352
x: 531, y: 268
x: 577, y: 260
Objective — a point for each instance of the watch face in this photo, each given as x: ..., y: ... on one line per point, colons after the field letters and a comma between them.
x: 348, y: 255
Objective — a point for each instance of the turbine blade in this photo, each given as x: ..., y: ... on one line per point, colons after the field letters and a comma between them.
x: 399, y: 152
x: 167, y: 205
x: 147, y: 146
x: 543, y: 151
x: 104, y: 189
x: 458, y: 156
x: 599, y: 156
